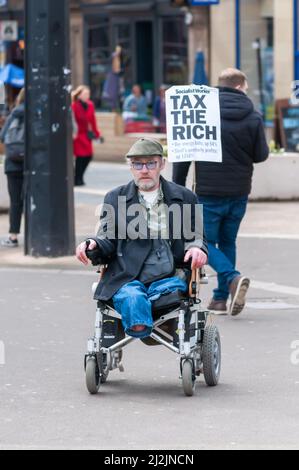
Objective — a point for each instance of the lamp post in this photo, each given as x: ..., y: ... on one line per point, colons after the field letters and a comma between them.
x: 49, y: 199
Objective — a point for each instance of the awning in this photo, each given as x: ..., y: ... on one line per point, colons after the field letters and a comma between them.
x: 12, y: 75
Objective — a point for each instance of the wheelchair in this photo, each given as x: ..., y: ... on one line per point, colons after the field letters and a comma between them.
x: 180, y: 324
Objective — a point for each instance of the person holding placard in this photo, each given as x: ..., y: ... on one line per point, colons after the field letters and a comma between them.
x: 223, y: 188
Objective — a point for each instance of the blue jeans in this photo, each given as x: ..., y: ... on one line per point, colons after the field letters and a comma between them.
x: 134, y: 302
x: 222, y: 219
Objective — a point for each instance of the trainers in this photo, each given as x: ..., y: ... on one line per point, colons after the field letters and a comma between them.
x: 238, y: 289
x: 9, y: 243
x: 218, y: 307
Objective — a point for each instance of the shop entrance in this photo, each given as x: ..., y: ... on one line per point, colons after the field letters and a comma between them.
x: 136, y: 38
x: 144, y: 57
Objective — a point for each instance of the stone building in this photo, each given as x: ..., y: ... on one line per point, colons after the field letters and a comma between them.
x: 160, y: 43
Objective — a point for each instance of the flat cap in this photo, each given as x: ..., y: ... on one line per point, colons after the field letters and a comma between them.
x: 145, y: 148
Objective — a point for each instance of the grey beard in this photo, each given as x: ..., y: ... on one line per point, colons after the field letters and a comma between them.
x: 145, y: 186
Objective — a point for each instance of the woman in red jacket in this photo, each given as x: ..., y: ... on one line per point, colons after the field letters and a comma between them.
x: 84, y: 113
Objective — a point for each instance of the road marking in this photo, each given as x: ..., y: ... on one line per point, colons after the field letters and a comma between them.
x: 274, y: 236
x: 271, y: 305
x: 259, y: 285
x: 95, y: 192
x: 54, y: 271
x: 277, y: 288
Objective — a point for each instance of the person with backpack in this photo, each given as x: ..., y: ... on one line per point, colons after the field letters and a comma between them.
x: 13, y: 136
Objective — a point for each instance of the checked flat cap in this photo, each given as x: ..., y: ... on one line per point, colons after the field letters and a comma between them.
x: 145, y: 148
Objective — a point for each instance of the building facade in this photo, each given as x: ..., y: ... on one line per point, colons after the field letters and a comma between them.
x: 153, y: 36
x: 160, y: 42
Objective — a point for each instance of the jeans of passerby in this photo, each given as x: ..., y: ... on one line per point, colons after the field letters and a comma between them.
x: 80, y: 168
x: 15, y: 190
x: 222, y: 219
x: 134, y: 302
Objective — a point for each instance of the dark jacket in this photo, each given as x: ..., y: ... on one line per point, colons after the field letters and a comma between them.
x: 10, y: 166
x: 243, y: 144
x: 126, y: 257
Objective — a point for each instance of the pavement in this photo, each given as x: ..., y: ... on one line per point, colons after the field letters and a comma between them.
x: 47, y: 315
x: 273, y: 220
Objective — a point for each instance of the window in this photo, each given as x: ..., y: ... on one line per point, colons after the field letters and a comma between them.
x: 122, y: 36
x: 175, y: 51
x: 296, y: 38
x: 256, y: 53
x: 99, y: 61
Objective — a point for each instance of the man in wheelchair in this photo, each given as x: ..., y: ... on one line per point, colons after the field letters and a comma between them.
x: 147, y: 256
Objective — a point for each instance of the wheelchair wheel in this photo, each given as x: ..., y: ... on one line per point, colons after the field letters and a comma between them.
x: 188, y: 378
x: 211, y: 355
x: 92, y: 372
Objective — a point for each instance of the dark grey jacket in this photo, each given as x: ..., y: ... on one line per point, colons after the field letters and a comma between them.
x: 126, y: 257
x: 10, y: 166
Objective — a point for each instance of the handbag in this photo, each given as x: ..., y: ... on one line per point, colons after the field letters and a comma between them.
x: 91, y: 135
x: 15, y: 141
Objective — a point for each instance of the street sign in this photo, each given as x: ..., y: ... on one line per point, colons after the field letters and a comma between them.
x: 8, y: 30
x: 197, y: 3
x: 193, y: 124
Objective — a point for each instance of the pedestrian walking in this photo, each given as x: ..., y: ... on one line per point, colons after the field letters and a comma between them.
x: 223, y: 188
x: 84, y: 113
x: 159, y: 113
x: 13, y: 136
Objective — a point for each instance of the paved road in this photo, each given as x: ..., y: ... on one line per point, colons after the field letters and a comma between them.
x: 47, y: 316
x: 45, y: 320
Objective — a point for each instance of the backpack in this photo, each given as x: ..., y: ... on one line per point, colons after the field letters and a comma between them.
x: 15, y: 140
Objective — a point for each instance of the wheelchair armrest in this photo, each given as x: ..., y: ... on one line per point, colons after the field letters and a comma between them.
x: 198, y: 277
x: 193, y: 283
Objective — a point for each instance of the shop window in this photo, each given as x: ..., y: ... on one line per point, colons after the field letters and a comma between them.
x: 98, y: 58
x: 122, y: 36
x: 175, y: 51
x: 256, y: 50
x: 296, y: 38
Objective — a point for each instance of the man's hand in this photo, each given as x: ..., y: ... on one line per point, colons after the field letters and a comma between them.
x: 199, y: 258
x: 81, y: 251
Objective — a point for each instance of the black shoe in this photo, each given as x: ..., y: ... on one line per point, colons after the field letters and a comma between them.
x: 218, y: 307
x: 9, y: 243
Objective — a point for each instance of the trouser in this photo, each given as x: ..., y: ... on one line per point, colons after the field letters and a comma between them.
x: 15, y: 189
x: 134, y: 302
x: 80, y: 168
x: 222, y: 219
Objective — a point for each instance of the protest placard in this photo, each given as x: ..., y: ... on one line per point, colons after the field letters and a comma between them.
x: 193, y: 124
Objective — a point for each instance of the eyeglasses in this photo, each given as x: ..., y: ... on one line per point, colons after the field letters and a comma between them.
x: 139, y: 165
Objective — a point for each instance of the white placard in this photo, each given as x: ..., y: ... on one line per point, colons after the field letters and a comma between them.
x: 193, y: 124
x: 9, y: 31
